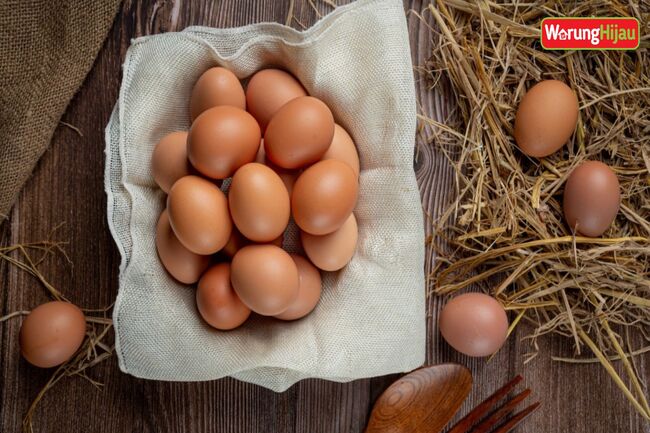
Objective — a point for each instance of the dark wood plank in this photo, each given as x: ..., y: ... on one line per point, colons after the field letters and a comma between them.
x: 68, y: 187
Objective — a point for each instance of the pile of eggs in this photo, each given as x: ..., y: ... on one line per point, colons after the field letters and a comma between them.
x: 476, y: 324
x: 305, y: 167
x: 281, y: 156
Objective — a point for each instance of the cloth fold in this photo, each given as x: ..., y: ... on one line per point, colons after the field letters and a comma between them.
x: 46, y: 50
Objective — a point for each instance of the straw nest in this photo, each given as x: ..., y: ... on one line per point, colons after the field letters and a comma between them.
x: 504, y: 227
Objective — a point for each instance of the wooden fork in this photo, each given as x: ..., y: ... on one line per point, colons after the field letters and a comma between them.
x: 426, y: 399
x: 502, y: 417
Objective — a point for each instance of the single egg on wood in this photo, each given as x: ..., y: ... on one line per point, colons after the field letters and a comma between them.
x: 474, y: 324
x: 266, y: 278
x: 198, y: 214
x: 51, y: 333
x: 324, y: 196
x: 268, y: 90
x: 332, y: 251
x: 221, y: 140
x: 259, y: 202
x: 216, y: 86
x: 181, y: 263
x: 592, y: 196
x: 300, y: 133
x: 343, y: 149
x: 217, y: 301
x: 309, y: 290
x: 169, y: 160
x: 546, y: 118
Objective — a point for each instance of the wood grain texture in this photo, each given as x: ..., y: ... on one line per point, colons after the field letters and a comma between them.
x: 423, y: 401
x: 67, y: 187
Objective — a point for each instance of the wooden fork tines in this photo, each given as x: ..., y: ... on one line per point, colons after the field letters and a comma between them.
x: 478, y: 420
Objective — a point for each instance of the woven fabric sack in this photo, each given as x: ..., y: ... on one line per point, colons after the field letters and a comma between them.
x: 371, y: 318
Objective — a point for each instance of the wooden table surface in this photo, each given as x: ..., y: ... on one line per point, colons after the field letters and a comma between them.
x: 67, y: 187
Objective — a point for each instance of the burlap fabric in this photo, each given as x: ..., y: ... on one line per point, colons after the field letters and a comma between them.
x: 46, y: 49
x: 371, y: 317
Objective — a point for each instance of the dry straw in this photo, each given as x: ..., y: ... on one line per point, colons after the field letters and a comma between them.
x: 504, y: 229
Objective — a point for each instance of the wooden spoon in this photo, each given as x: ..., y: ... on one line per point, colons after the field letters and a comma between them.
x: 423, y: 401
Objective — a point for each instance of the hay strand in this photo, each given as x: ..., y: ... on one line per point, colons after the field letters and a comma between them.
x: 503, y: 229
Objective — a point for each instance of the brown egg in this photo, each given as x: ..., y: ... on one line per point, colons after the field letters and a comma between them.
x: 592, y: 196
x: 332, y: 251
x: 343, y: 149
x: 268, y: 90
x: 474, y: 324
x: 181, y: 263
x: 221, y: 140
x: 324, y: 196
x: 546, y: 118
x: 259, y: 202
x: 309, y: 290
x: 169, y: 160
x: 217, y: 86
x: 288, y: 176
x: 300, y: 133
x: 198, y: 214
x: 52, y: 333
x: 266, y: 278
x: 216, y: 300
